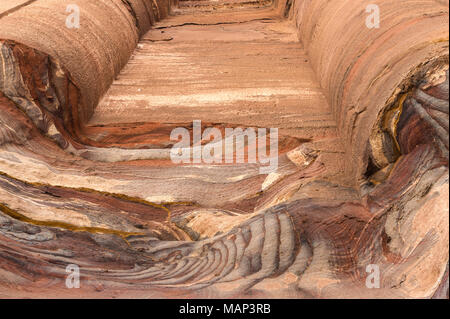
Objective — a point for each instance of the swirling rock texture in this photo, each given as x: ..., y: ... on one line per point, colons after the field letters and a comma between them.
x: 86, y: 177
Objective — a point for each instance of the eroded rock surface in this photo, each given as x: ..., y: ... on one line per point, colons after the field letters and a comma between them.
x: 86, y: 175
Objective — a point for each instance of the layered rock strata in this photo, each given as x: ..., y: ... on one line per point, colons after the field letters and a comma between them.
x: 86, y: 176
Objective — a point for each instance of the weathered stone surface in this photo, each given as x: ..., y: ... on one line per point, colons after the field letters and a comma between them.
x: 86, y: 176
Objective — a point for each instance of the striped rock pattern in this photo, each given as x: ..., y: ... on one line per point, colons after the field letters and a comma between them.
x: 86, y: 177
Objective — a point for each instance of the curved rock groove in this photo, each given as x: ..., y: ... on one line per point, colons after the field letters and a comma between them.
x: 86, y: 176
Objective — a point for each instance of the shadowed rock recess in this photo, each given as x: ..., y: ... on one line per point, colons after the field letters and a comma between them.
x: 86, y: 177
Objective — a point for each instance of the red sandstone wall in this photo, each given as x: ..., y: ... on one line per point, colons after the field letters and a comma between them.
x: 94, y: 54
x: 361, y: 69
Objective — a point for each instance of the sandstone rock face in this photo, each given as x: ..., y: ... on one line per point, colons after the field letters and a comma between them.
x: 355, y: 207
